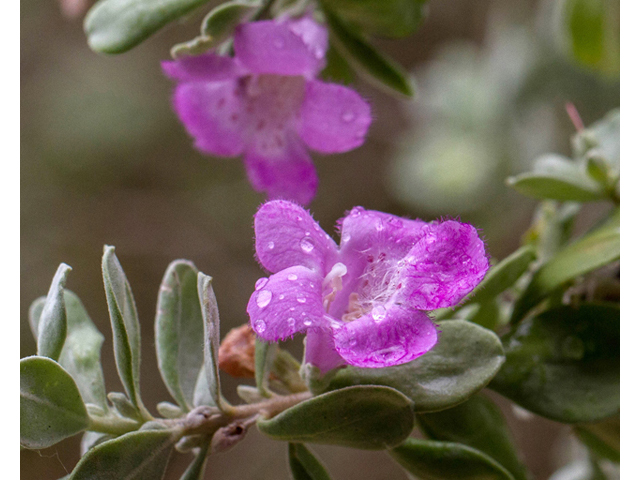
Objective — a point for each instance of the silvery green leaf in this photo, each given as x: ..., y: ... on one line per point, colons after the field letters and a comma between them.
x: 115, y: 26
x: 141, y: 455
x: 564, y: 364
x: 123, y: 405
x: 35, y: 311
x: 179, y: 331
x: 476, y: 423
x: 304, y: 465
x: 249, y: 394
x: 463, y: 361
x: 264, y: 356
x: 51, y: 408
x: 81, y: 353
x: 196, y: 469
x: 202, y: 393
x: 52, y: 326
x: 91, y: 439
x: 211, y: 318
x: 366, y: 60
x: 433, y: 460
x: 366, y: 417
x: 220, y: 23
x: 169, y: 410
x: 125, y: 325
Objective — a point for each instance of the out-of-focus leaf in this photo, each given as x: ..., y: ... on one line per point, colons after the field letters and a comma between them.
x: 52, y: 326
x: 115, y: 26
x: 486, y: 314
x: 264, y: 354
x: 602, y: 438
x: 390, y: 18
x: 303, y: 465
x: 211, y: 318
x: 35, y: 311
x: 597, y: 248
x: 557, y: 178
x: 463, y: 361
x: 81, y: 352
x: 503, y: 275
x: 91, y: 439
x: 51, y: 408
x: 179, y: 331
x: 477, y: 423
x: 125, y: 325
x: 366, y: 60
x: 169, y: 410
x: 593, y: 33
x: 142, y: 455
x: 202, y: 394
x: 604, y: 136
x: 365, y: 417
x: 337, y: 69
x: 196, y: 469
x: 433, y: 460
x: 564, y: 364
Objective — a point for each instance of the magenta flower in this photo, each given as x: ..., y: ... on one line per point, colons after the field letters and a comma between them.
x: 363, y: 303
x: 265, y: 104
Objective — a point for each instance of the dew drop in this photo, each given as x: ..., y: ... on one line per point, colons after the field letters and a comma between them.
x: 261, y: 282
x: 353, y: 342
x: 307, y: 323
x: 291, y: 322
x: 306, y: 245
x: 292, y: 309
x: 271, y: 245
x: 301, y: 298
x: 281, y: 297
x: 345, y: 237
x: 378, y: 313
x: 263, y: 298
x: 260, y: 326
x: 292, y: 276
x: 348, y: 116
x: 379, y: 225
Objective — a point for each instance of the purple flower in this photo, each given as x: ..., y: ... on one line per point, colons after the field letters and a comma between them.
x: 265, y: 104
x: 363, y: 303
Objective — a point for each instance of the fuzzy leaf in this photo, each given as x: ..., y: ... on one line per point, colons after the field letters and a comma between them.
x: 303, y: 465
x: 81, y: 353
x: 564, y: 364
x: 389, y: 18
x: 264, y: 354
x: 124, y: 324
x: 432, y: 460
x: 476, y: 423
x: 366, y: 60
x: 196, y: 469
x: 596, y: 249
x: 463, y: 361
x: 179, y: 331
x: 51, y: 408
x: 35, y: 312
x: 142, y: 455
x: 365, y: 417
x: 115, y: 26
x: 52, y: 326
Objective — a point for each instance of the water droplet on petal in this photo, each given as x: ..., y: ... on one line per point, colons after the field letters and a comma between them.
x: 292, y: 276
x: 307, y: 323
x: 353, y: 342
x: 261, y: 282
x: 263, y: 298
x: 379, y: 225
x: 378, y: 313
x: 348, y: 116
x: 306, y: 245
x: 260, y: 326
x: 292, y: 309
x: 281, y: 297
x: 291, y: 322
x: 301, y: 298
x: 271, y: 245
x: 345, y: 237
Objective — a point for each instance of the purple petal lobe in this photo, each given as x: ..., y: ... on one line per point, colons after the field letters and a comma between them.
x: 275, y: 47
x: 289, y: 302
x: 208, y: 67
x: 334, y: 118
x: 391, y: 335
x: 320, y: 350
x: 287, y: 173
x: 212, y: 113
x: 287, y: 235
x: 444, y: 266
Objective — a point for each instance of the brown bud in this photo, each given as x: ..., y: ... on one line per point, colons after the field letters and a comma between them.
x: 237, y: 352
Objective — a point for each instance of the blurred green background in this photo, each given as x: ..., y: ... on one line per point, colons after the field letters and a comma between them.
x: 105, y: 161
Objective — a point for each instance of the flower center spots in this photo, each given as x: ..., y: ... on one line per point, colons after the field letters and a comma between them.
x: 272, y: 103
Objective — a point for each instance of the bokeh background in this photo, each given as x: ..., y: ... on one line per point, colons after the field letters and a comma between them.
x: 105, y: 161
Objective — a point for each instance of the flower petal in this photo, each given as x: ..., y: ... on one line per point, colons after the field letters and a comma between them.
x: 280, y: 47
x: 334, y: 118
x: 208, y: 67
x: 444, y: 266
x: 281, y: 167
x: 288, y: 302
x: 212, y: 113
x: 320, y: 350
x: 287, y: 235
x: 393, y: 336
